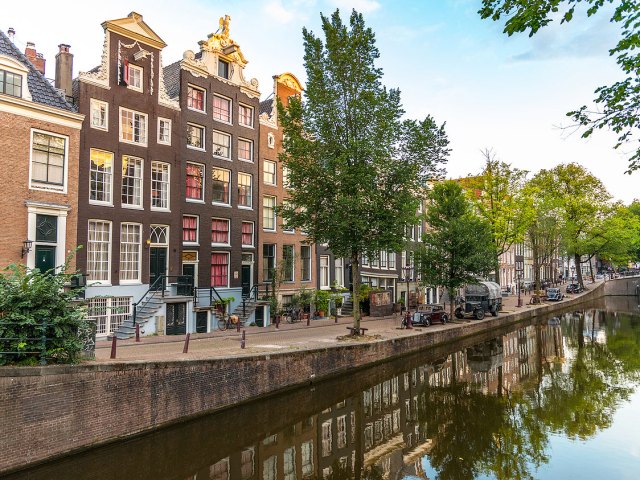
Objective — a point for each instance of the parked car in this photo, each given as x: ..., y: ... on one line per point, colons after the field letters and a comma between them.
x: 554, y: 294
x: 479, y: 299
x: 428, y: 314
x: 574, y: 288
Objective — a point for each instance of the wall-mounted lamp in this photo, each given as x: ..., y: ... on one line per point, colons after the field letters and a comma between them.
x: 148, y: 242
x: 26, y: 247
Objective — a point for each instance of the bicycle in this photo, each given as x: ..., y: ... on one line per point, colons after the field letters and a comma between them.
x: 226, y: 321
x: 406, y: 318
x: 292, y: 316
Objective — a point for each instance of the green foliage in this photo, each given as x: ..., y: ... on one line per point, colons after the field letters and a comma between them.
x: 618, y: 103
x: 355, y: 168
x: 458, y: 246
x: 321, y: 300
x: 29, y: 298
x: 305, y: 296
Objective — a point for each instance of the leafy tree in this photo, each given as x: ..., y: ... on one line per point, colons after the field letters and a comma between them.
x: 458, y: 244
x: 30, y: 299
x: 619, y: 103
x: 497, y: 195
x: 355, y: 168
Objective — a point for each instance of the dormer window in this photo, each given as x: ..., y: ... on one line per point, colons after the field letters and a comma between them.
x: 223, y: 69
x: 11, y: 83
x: 135, y: 77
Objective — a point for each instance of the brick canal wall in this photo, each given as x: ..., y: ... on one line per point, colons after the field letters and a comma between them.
x: 51, y: 411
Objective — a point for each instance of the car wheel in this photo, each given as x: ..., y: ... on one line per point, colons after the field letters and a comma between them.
x: 458, y: 313
x: 445, y: 318
x: 494, y: 313
x: 479, y: 314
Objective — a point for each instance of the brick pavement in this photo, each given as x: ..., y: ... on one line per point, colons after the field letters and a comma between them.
x: 264, y: 340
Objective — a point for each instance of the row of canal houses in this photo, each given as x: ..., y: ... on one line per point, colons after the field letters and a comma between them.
x: 167, y: 179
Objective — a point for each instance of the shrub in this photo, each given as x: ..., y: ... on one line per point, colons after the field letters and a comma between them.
x: 30, y: 299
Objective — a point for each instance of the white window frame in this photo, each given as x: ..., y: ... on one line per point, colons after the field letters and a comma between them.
x: 162, y: 120
x: 203, y: 137
x: 113, y: 315
x: 107, y: 280
x: 108, y: 202
x: 185, y: 242
x: 304, y: 260
x: 250, y: 177
x: 202, y: 188
x: 37, y: 185
x: 285, y: 177
x: 253, y: 234
x: 146, y: 126
x: 273, y: 217
x: 265, y: 172
x: 168, y: 186
x: 138, y: 279
x: 229, y: 172
x: 139, y: 205
x: 324, y: 271
x: 230, y: 120
x: 214, y: 144
x: 221, y: 244
x: 204, y: 98
x: 338, y: 266
x: 94, y: 104
x: 240, y: 122
x: 271, y: 140
x: 228, y: 254
x: 250, y: 142
x: 135, y: 68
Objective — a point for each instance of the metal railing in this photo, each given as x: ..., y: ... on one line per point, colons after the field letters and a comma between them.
x: 41, y: 341
x: 159, y: 285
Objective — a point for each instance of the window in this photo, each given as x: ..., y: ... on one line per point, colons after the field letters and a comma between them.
x: 130, y: 248
x: 11, y: 83
x: 269, y: 169
x: 220, y: 185
x: 269, y: 213
x: 164, y: 131
x: 339, y: 271
x: 391, y: 260
x: 98, y: 250
x: 342, y: 431
x: 244, y: 190
x: 100, y: 175
x: 307, y: 458
x: 219, y: 470
x: 195, y: 136
x: 219, y: 269
x: 271, y: 140
x: 305, y: 257
x: 99, y: 114
x: 285, y: 227
x: 135, y: 78
x: 190, y: 229
x: 195, y: 98
x: 324, y: 271
x: 131, y: 181
x: 268, y: 261
x: 287, y: 258
x: 289, y: 467
x: 133, y: 126
x: 247, y: 234
x: 221, y: 109
x: 160, y: 185
x: 245, y: 150
x: 223, y: 69
x: 222, y: 145
x: 246, y: 116
x: 108, y: 312
x: 326, y: 437
x: 383, y: 259
x: 246, y: 464
x: 48, y: 159
x: 220, y: 231
x: 285, y: 176
x: 195, y: 178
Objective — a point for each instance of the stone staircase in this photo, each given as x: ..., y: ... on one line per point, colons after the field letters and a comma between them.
x: 146, y: 309
x: 250, y: 308
x: 347, y: 308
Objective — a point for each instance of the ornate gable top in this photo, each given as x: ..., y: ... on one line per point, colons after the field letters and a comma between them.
x: 220, y: 42
x: 132, y: 26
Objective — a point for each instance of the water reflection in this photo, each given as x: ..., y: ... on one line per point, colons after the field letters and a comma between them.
x: 487, y: 410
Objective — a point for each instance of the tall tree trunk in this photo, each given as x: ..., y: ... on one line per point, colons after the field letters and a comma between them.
x: 355, y: 278
x: 497, y: 267
x: 591, y: 269
x: 576, y: 260
x: 452, y: 298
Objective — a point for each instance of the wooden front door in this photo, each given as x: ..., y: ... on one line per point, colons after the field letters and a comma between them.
x: 157, y: 266
x: 176, y: 318
x: 45, y: 258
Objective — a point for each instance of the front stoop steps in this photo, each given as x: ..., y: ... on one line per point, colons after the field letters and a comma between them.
x: 147, y: 309
x: 250, y: 308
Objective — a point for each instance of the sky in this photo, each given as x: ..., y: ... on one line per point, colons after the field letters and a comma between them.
x: 507, y: 95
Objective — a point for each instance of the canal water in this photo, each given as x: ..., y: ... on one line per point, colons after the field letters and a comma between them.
x: 558, y: 398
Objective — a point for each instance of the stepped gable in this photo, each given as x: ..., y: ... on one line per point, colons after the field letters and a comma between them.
x: 39, y: 87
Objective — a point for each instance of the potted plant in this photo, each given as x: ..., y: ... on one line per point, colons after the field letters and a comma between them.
x: 337, y: 299
x: 305, y: 297
x: 322, y: 299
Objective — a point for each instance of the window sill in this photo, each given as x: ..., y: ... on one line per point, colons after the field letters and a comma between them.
x: 248, y: 246
x: 196, y: 110
x: 246, y: 126
x: 227, y: 159
x: 226, y: 245
x: 246, y: 160
x: 164, y: 143
x: 199, y: 149
x: 223, y: 122
x: 131, y: 142
x: 100, y: 204
x: 99, y: 283
x: 216, y: 204
x: 132, y: 207
x: 193, y: 200
x: 45, y: 188
x: 102, y: 129
x: 244, y: 207
x: 155, y: 209
x: 190, y: 244
x: 269, y: 230
x: 130, y: 282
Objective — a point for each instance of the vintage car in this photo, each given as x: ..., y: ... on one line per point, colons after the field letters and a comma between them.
x: 428, y: 314
x: 554, y: 294
x: 574, y: 288
x: 480, y: 298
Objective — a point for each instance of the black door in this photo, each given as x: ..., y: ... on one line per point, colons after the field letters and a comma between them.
x: 201, y: 321
x: 157, y: 266
x: 176, y: 318
x: 45, y: 258
x: 246, y: 280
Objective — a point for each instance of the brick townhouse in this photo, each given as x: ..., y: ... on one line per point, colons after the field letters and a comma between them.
x: 282, y: 250
x: 39, y: 149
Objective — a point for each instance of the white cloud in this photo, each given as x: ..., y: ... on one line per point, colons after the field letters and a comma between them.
x: 362, y: 6
x: 277, y: 11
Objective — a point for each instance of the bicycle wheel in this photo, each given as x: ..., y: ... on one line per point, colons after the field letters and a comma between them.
x: 223, y: 323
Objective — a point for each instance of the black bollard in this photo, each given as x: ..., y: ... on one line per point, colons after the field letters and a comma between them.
x: 186, y: 344
x: 242, y: 342
x: 113, y: 346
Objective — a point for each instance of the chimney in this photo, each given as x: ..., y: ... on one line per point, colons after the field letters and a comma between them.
x: 11, y: 33
x: 64, y: 69
x: 34, y: 57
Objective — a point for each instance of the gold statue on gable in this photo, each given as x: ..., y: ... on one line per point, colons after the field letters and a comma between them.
x: 223, y: 29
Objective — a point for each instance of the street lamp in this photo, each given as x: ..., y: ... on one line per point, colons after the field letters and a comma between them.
x: 407, y: 269
x: 519, y: 272
x: 573, y: 272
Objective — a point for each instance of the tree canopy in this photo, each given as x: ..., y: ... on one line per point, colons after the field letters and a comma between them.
x: 618, y: 104
x: 356, y: 168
